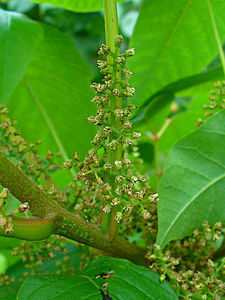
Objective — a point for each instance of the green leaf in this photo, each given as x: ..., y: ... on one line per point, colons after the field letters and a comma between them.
x: 19, y: 38
x: 172, y: 39
x: 192, y: 186
x: 76, y: 5
x: 18, y: 270
x: 52, y: 101
x: 128, y: 279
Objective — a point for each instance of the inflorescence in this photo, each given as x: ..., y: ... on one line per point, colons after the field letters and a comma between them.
x: 217, y: 102
x: 107, y: 172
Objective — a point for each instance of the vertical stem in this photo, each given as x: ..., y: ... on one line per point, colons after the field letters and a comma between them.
x: 111, y: 31
x: 111, y: 23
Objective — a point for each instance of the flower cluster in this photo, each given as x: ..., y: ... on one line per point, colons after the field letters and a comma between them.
x: 109, y: 176
x: 52, y: 252
x: 5, y: 219
x: 26, y: 155
x: 27, y: 158
x: 217, y: 102
x: 199, y: 275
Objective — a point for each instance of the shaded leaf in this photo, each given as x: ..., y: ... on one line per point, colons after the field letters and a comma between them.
x: 19, y: 38
x: 192, y: 186
x: 126, y: 279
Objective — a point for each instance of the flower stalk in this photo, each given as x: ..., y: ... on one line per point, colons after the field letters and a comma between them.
x: 108, y: 222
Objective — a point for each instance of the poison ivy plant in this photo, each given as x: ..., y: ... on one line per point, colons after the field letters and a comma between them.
x: 76, y: 5
x: 106, y: 278
x: 15, y: 29
x: 55, y: 85
x: 173, y: 42
x: 192, y: 186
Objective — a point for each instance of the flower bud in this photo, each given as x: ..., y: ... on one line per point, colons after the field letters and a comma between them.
x: 118, y: 40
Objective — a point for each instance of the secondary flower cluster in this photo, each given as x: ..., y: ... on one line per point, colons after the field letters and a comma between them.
x: 200, y: 275
x: 110, y: 177
x: 5, y: 219
x: 24, y: 154
x: 217, y: 101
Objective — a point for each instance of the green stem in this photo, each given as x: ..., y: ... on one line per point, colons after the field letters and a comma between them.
x: 65, y: 223
x: 219, y: 45
x: 111, y: 23
x: 111, y: 31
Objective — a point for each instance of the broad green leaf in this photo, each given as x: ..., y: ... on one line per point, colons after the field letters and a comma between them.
x: 192, y: 186
x: 172, y: 39
x: 19, y: 37
x: 52, y: 101
x: 128, y: 279
x: 76, y: 5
